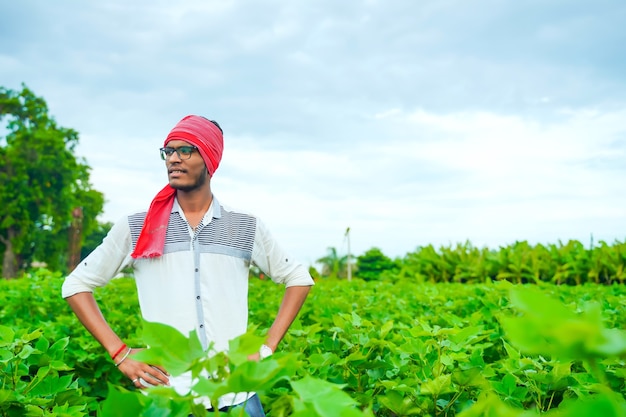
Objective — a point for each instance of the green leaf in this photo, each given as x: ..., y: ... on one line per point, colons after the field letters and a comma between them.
x: 26, y: 351
x: 67, y: 410
x: 52, y: 385
x: 435, y: 387
x: 605, y: 405
x: 399, y: 404
x: 324, y: 398
x: 168, y: 347
x: 57, y: 350
x: 535, y: 303
x: 547, y: 327
x: 211, y: 388
x: 612, y: 342
x: 489, y: 405
x: 32, y: 411
x: 5, y: 355
x: 510, y: 350
x: 468, y: 335
x: 261, y: 376
x: 561, y: 370
x: 243, y: 346
x: 7, y: 396
x: 42, y: 344
x: 122, y: 403
x: 509, y: 384
x: 470, y: 378
x: 386, y: 328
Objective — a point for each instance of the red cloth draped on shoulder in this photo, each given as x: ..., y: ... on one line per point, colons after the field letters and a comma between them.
x: 207, y: 137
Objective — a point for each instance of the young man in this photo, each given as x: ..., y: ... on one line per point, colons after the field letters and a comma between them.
x: 191, y: 257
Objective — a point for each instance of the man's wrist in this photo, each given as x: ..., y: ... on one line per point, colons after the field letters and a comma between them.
x: 265, y: 351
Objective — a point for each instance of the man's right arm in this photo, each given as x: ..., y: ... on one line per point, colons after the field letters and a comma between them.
x: 104, y: 263
x: 96, y: 270
x: 86, y: 309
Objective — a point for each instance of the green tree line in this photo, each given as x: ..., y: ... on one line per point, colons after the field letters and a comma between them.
x: 568, y: 263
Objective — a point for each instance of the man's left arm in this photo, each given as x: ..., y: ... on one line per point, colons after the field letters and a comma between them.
x: 282, y: 269
x: 292, y: 303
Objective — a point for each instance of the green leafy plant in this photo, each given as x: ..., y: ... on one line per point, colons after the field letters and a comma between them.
x: 34, y: 379
x: 219, y: 374
x: 396, y: 347
x: 582, y: 369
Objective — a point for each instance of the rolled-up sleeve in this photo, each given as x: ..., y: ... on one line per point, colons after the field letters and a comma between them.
x: 275, y: 262
x: 104, y: 263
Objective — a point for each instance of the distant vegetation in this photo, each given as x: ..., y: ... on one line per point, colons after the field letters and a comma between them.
x: 568, y: 263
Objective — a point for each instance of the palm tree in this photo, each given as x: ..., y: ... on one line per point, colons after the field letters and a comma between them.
x: 333, y: 265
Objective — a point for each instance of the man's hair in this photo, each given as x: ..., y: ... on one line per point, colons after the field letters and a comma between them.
x: 215, y: 123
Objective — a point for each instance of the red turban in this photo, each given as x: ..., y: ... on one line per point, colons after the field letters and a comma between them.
x: 207, y: 137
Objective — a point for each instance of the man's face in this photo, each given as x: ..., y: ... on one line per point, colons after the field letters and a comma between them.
x: 185, y: 174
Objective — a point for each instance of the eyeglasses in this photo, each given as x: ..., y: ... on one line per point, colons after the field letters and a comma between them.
x: 184, y: 152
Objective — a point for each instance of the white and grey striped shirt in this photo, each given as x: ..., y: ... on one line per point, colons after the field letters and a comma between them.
x: 201, y: 280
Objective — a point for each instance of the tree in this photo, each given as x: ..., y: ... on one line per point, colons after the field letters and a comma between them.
x: 372, y: 263
x: 43, y: 182
x: 333, y: 265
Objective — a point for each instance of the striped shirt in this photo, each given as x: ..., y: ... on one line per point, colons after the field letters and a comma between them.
x: 201, y: 281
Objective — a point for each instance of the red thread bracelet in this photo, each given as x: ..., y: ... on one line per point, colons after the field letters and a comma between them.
x: 119, y: 351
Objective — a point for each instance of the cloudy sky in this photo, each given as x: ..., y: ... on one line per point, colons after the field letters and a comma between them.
x: 411, y: 122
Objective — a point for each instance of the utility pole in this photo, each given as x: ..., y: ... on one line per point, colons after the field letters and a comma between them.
x: 349, y: 255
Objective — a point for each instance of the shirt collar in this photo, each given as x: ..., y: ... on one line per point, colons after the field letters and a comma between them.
x: 215, y: 209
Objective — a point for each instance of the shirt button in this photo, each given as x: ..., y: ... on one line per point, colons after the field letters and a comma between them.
x: 202, y: 326
x: 196, y: 269
x: 197, y: 297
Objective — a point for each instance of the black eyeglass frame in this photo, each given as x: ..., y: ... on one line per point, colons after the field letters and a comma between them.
x: 183, y: 152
